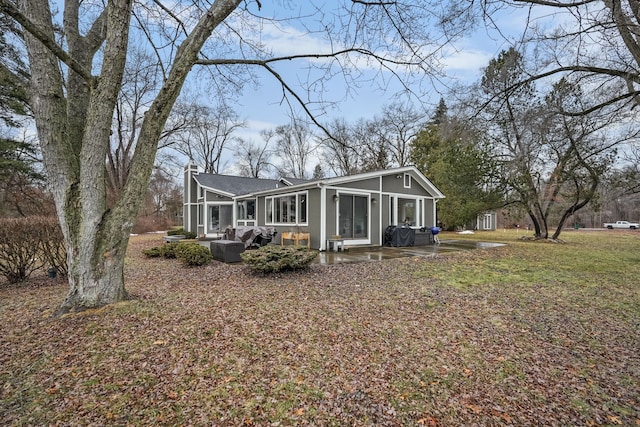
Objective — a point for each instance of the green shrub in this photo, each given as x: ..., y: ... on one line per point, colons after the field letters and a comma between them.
x: 168, y: 250
x: 273, y: 258
x: 153, y: 252
x: 193, y: 254
x: 182, y: 231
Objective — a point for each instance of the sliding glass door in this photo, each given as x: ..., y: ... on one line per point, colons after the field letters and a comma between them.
x: 353, y: 216
x: 219, y: 217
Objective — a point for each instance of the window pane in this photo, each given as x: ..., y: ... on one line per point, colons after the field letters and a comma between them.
x: 242, y: 210
x: 346, y: 216
x: 283, y: 209
x: 251, y: 209
x: 290, y: 202
x: 246, y: 209
x: 407, y: 180
x: 226, y: 216
x: 407, y: 210
x: 277, y: 209
x: 360, y: 216
x: 302, y: 208
x: 213, y: 220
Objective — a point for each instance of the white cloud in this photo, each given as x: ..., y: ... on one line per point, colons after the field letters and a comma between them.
x: 287, y: 40
x: 468, y: 59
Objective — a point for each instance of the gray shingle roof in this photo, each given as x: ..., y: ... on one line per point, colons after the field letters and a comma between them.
x: 295, y: 181
x: 236, y: 185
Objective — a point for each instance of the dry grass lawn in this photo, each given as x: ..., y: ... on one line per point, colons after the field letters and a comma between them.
x: 528, y: 334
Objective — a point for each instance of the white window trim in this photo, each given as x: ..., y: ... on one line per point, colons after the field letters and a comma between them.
x: 420, y: 203
x: 248, y: 222
x: 405, y: 180
x: 297, y: 223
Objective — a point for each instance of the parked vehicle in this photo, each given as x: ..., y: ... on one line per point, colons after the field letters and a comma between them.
x: 621, y: 224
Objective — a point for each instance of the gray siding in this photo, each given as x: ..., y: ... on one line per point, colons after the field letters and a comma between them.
x: 372, y: 184
x: 391, y: 184
x: 314, y: 216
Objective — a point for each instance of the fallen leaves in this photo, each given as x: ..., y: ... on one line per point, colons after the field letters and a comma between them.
x: 359, y: 344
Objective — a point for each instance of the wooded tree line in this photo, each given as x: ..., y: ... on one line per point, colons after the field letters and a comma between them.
x: 549, y: 125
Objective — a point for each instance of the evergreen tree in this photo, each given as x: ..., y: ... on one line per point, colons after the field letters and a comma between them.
x: 453, y: 158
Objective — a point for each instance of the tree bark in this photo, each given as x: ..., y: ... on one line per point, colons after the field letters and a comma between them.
x: 73, y: 119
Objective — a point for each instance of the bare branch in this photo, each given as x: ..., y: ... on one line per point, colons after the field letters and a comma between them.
x: 6, y: 6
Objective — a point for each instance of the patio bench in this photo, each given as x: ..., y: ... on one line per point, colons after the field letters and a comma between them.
x: 296, y: 238
x: 227, y: 250
x: 335, y: 244
x: 174, y: 238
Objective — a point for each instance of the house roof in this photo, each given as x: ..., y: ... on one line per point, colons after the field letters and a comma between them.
x: 428, y: 185
x: 233, y: 186
x: 236, y: 185
x: 294, y: 181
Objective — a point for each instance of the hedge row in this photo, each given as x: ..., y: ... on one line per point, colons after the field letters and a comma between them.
x: 28, y: 244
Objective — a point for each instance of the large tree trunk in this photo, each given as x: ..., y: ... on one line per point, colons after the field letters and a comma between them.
x: 73, y: 120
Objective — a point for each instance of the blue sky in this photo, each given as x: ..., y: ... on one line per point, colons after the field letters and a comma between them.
x: 462, y: 62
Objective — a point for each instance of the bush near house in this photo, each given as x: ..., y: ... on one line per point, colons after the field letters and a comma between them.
x: 273, y: 258
x: 165, y: 251
x: 191, y: 254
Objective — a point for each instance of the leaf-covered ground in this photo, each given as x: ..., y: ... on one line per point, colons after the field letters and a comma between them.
x: 528, y: 334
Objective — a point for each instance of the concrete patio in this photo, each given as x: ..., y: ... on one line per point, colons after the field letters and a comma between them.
x: 379, y: 253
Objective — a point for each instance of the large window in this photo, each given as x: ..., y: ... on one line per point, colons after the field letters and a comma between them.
x: 288, y: 209
x: 246, y: 212
x: 405, y: 210
x: 353, y: 216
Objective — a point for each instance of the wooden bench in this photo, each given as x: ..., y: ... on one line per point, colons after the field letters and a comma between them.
x: 296, y: 238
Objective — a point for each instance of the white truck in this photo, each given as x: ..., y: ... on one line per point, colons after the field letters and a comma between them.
x: 621, y: 224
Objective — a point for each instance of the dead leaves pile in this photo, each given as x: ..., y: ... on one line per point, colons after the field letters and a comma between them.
x: 360, y: 344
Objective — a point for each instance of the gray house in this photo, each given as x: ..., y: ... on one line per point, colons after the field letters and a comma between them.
x: 358, y: 208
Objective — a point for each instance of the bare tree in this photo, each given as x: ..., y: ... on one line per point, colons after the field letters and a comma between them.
x: 339, y: 148
x: 208, y: 135
x: 253, y: 159
x: 74, y: 108
x: 292, y: 149
x: 595, y: 44
x: 139, y: 82
x: 372, y: 144
x: 397, y: 128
